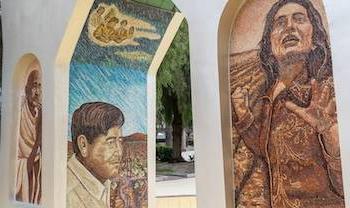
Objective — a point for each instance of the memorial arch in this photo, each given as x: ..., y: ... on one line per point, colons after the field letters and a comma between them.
x: 99, y: 59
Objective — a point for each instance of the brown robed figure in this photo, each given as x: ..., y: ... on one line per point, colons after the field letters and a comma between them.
x: 285, y: 112
x: 28, y: 183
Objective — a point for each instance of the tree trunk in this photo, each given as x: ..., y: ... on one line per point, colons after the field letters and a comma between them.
x: 169, y: 136
x: 184, y: 139
x: 177, y: 135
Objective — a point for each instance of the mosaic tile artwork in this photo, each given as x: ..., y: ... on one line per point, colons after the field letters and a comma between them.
x: 29, y: 148
x: 107, y: 144
x: 285, y: 130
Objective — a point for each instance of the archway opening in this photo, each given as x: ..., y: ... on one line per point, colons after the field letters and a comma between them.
x: 27, y: 130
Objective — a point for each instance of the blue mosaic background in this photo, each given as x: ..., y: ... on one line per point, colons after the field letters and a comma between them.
x: 98, y: 74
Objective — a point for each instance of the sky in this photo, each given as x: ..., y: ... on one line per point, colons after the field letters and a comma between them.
x: 117, y: 74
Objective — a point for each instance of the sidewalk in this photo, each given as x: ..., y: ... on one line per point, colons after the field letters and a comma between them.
x: 181, y: 187
x: 174, y: 171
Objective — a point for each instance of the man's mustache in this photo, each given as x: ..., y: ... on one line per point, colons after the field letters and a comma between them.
x: 115, y: 159
x: 290, y: 37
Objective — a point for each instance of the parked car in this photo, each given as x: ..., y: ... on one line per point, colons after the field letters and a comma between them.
x: 160, y: 137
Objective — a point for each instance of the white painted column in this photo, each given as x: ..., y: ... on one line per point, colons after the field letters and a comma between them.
x: 37, y: 27
x: 338, y: 13
x: 213, y: 175
x: 163, y: 47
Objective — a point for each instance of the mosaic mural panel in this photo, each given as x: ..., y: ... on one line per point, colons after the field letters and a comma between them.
x: 107, y: 144
x: 29, y: 151
x: 285, y: 132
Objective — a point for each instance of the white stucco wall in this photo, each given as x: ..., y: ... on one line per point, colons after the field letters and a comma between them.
x: 338, y: 17
x: 35, y: 26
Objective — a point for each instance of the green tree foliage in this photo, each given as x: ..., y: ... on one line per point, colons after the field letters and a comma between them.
x: 174, y: 88
x: 173, y: 80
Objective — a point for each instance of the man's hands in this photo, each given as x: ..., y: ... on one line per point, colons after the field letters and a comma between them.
x: 240, y: 102
x: 321, y: 115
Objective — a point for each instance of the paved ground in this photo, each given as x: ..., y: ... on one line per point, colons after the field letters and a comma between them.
x: 173, y: 171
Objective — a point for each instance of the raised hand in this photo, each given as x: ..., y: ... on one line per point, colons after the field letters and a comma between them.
x: 240, y: 102
x: 321, y: 114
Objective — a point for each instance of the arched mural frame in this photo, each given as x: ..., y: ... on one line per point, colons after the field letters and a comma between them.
x: 63, y: 60
x: 229, y: 17
x: 227, y: 20
x: 19, y: 80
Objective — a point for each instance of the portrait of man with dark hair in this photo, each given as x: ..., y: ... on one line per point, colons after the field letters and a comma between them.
x: 28, y: 179
x: 94, y: 171
x: 284, y: 110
